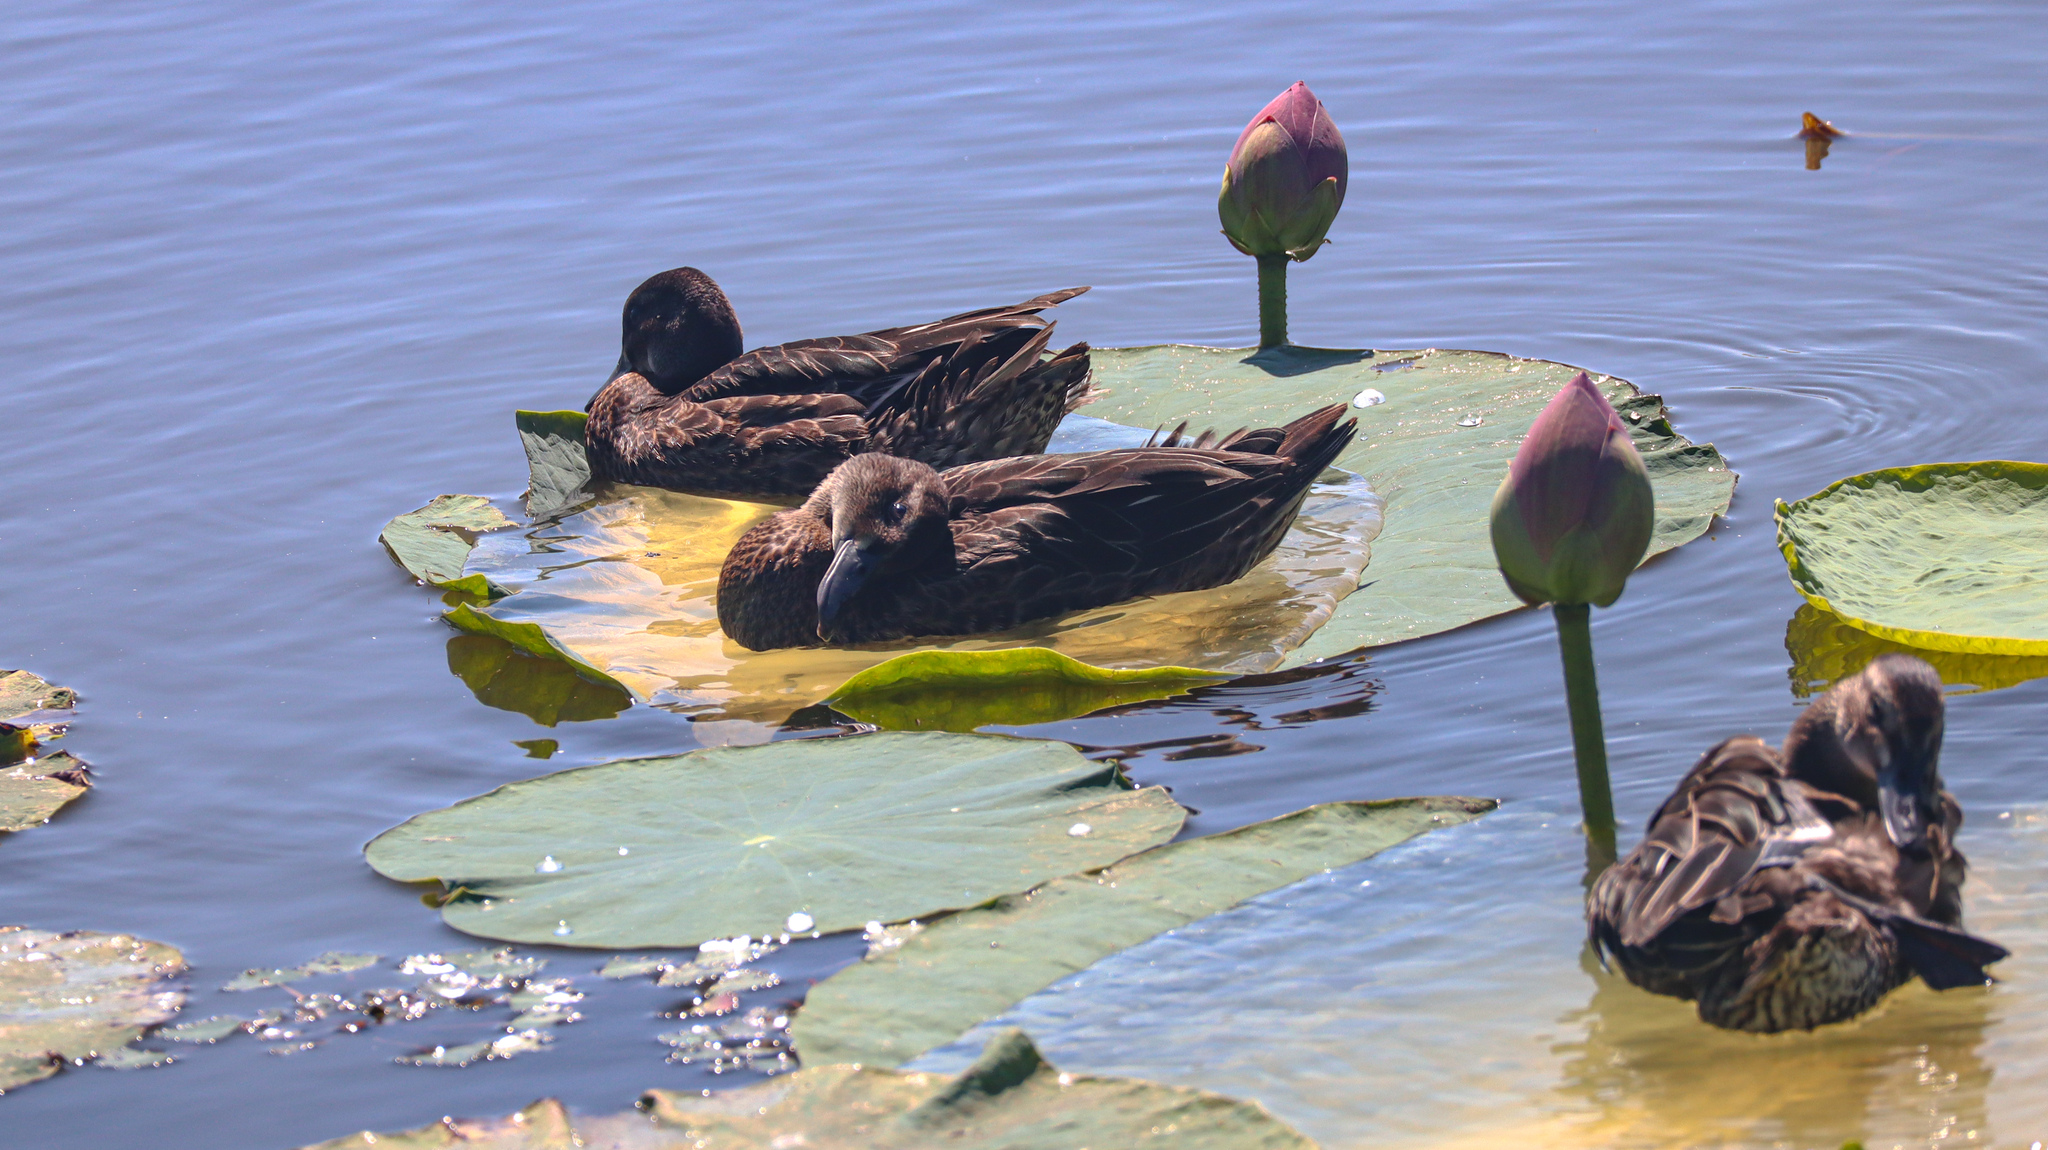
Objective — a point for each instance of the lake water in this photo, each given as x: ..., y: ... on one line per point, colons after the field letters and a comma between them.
x: 272, y: 277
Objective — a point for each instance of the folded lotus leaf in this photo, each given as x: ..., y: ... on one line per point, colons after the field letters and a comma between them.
x: 1943, y: 556
x: 964, y: 690
x: 827, y: 833
x: 433, y: 542
x: 967, y: 967
x: 1826, y: 648
x: 1437, y: 429
x: 557, y: 466
x: 31, y: 792
x: 74, y: 995
x: 547, y: 690
x: 1010, y: 1099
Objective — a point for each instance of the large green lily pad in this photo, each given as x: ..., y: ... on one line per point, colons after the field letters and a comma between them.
x: 1435, y: 449
x: 546, y: 690
x: 923, y: 993
x: 433, y: 542
x: 77, y: 995
x: 1826, y: 648
x: 1945, y: 556
x: 795, y: 836
x: 31, y: 792
x: 964, y: 690
x: 1010, y: 1099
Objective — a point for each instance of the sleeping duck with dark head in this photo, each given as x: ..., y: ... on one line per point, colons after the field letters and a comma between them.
x: 686, y: 409
x: 888, y: 548
x: 1783, y: 890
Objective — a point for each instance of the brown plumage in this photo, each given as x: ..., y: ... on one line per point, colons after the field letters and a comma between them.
x: 1786, y: 891
x: 687, y: 411
x: 888, y: 548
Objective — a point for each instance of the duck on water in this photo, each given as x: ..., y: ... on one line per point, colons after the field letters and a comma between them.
x: 687, y: 410
x: 888, y: 548
x: 1787, y: 889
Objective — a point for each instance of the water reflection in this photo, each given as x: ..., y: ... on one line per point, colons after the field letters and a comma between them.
x: 1825, y: 648
x: 1910, y: 1073
x: 544, y: 690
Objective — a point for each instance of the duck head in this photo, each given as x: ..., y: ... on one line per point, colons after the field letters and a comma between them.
x: 1876, y: 737
x: 678, y: 328
x: 887, y: 516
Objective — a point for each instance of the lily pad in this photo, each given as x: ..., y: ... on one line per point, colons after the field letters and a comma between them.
x: 202, y: 1030
x: 332, y: 962
x: 1010, y: 1099
x: 32, y: 792
x: 433, y: 542
x: 77, y: 995
x: 32, y: 711
x: 547, y: 690
x: 556, y: 464
x: 1437, y: 429
x: 742, y: 840
x: 1944, y: 556
x: 924, y: 992
x: 963, y: 690
x: 1826, y: 648
x: 628, y: 586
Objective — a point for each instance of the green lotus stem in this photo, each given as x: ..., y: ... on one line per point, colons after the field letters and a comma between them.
x: 1589, y: 743
x: 1272, y: 301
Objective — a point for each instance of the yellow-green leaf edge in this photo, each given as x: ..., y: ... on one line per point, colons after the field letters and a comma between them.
x: 1809, y: 585
x: 528, y: 637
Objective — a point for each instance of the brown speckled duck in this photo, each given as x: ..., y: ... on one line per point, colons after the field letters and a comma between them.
x: 688, y: 411
x: 1784, y: 891
x: 888, y: 548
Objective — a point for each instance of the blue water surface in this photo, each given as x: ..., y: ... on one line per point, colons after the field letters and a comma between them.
x: 271, y: 275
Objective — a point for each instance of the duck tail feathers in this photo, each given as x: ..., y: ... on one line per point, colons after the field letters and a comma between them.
x: 1944, y: 957
x: 1315, y: 440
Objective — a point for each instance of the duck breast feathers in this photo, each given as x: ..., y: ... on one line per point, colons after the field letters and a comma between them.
x: 888, y: 548
x: 1775, y: 890
x: 686, y: 410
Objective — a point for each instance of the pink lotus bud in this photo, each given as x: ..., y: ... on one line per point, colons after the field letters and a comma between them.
x: 1286, y: 178
x: 1574, y: 515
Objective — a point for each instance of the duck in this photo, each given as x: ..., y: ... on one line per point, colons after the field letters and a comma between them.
x: 1786, y: 889
x: 688, y: 410
x: 890, y: 548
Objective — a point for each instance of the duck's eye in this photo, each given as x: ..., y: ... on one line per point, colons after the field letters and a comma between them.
x: 898, y: 509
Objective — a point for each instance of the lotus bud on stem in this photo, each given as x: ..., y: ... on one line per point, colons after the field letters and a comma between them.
x: 1281, y: 190
x: 1571, y: 521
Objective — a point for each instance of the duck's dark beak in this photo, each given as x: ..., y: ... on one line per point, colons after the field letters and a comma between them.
x: 852, y: 563
x: 1906, y: 797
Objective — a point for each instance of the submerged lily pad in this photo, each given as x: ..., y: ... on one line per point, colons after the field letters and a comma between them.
x: 934, y: 985
x: 1435, y: 436
x: 547, y: 690
x: 77, y: 995
x: 744, y: 840
x: 1945, y: 556
x: 332, y: 962
x: 1011, y: 1098
x: 528, y: 637
x: 32, y: 792
x: 629, y: 586
x: 1826, y: 648
x: 433, y: 542
x: 963, y: 690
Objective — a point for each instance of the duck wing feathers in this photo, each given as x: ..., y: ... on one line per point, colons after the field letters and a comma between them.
x: 1735, y: 813
x: 1044, y: 535
x: 874, y: 366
